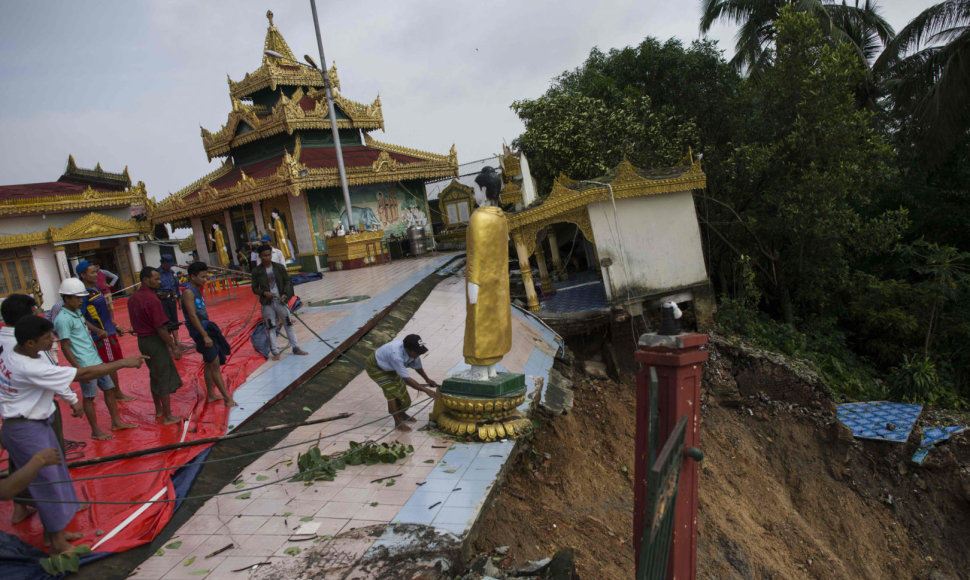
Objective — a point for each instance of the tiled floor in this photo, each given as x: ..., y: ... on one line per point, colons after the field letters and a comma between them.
x: 452, y: 480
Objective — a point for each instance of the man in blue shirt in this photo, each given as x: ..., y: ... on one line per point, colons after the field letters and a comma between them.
x: 97, y: 311
x: 169, y: 294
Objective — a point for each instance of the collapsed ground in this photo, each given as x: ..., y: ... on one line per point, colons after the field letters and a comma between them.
x: 785, y: 490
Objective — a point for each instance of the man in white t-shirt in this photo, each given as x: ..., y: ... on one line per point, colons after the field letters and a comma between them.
x: 13, y: 308
x: 277, y: 253
x: 388, y: 367
x: 28, y: 383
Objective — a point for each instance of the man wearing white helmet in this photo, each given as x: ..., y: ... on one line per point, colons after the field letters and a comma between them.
x: 79, y: 349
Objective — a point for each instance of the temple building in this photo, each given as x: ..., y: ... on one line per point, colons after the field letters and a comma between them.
x: 280, y: 177
x: 47, y: 228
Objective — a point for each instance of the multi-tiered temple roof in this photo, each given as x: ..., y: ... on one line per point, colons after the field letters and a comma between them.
x: 277, y: 140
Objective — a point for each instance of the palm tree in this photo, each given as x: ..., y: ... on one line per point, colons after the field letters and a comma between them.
x: 927, y: 71
x: 859, y: 26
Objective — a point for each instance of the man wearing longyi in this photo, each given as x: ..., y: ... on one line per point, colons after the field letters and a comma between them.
x: 28, y: 383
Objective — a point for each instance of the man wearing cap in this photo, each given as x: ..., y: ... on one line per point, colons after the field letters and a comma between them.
x: 277, y: 253
x: 150, y: 323
x: 387, y: 366
x: 79, y: 350
x: 272, y: 284
x: 168, y: 292
x: 97, y: 312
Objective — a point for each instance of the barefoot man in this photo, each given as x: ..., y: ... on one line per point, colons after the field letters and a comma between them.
x: 388, y: 365
x: 97, y: 311
x: 13, y: 308
x: 150, y: 323
x: 28, y: 383
x: 206, y: 334
x: 79, y: 350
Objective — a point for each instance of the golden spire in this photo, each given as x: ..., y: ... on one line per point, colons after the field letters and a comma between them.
x: 275, y: 42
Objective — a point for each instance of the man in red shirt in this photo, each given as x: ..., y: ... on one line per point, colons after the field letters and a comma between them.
x: 149, y: 322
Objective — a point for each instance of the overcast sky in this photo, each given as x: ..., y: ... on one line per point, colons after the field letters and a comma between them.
x: 130, y: 82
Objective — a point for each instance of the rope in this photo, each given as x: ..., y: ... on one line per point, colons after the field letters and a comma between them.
x: 235, y: 491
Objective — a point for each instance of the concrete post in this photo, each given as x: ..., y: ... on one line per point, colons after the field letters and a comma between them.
x: 530, y: 288
x: 62, y: 267
x: 556, y: 261
x: 135, y: 257
x: 678, y: 362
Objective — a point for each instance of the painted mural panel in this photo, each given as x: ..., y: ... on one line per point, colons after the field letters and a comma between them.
x: 386, y: 206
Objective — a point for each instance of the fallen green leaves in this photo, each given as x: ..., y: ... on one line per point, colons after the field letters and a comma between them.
x: 314, y: 466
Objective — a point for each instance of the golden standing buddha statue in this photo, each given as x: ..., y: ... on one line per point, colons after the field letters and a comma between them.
x: 488, y: 318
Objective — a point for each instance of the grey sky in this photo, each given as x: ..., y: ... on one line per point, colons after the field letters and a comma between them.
x: 130, y: 82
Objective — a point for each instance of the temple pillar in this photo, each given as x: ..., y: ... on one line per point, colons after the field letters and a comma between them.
x: 301, y: 234
x: 543, y: 271
x: 258, y: 218
x: 201, y: 241
x: 135, y: 257
x: 61, y: 256
x: 558, y: 272
x: 231, y: 235
x: 532, y: 298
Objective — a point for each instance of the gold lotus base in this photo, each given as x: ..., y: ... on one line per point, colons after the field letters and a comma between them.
x: 485, y: 419
x: 507, y: 428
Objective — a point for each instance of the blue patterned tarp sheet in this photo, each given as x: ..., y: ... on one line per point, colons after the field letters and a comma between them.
x: 880, y: 420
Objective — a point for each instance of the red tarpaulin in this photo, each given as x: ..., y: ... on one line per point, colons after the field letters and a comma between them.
x: 115, y: 528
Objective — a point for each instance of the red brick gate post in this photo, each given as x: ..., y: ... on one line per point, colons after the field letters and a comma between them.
x: 678, y: 362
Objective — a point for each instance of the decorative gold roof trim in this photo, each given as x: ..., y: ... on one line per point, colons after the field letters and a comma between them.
x: 293, y: 177
x: 566, y: 204
x: 177, y: 197
x: 97, y: 225
x: 269, y: 76
x: 452, y: 156
x: 92, y: 225
x: 510, y: 165
x: 289, y: 116
x: 21, y: 240
x: 511, y: 193
x: 87, y: 199
x: 97, y: 172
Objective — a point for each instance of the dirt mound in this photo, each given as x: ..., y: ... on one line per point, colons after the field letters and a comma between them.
x: 785, y: 490
x: 572, y: 487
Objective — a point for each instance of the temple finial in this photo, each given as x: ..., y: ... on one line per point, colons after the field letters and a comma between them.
x: 269, y: 16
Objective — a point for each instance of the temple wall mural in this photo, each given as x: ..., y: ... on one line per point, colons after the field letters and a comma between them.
x: 384, y: 206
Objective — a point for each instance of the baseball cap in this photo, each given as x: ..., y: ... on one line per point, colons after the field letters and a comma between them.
x: 168, y: 259
x: 82, y: 266
x: 265, y: 238
x: 413, y: 343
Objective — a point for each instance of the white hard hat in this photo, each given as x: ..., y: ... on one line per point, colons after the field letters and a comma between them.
x: 72, y: 287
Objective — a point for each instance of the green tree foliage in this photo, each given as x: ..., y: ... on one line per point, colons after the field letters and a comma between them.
x: 927, y: 74
x: 799, y: 181
x: 860, y: 27
x: 583, y: 137
x: 648, y: 103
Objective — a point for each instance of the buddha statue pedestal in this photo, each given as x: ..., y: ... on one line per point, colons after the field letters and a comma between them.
x: 483, y: 409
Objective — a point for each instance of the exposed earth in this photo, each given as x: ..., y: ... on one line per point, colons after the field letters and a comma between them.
x: 785, y: 490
